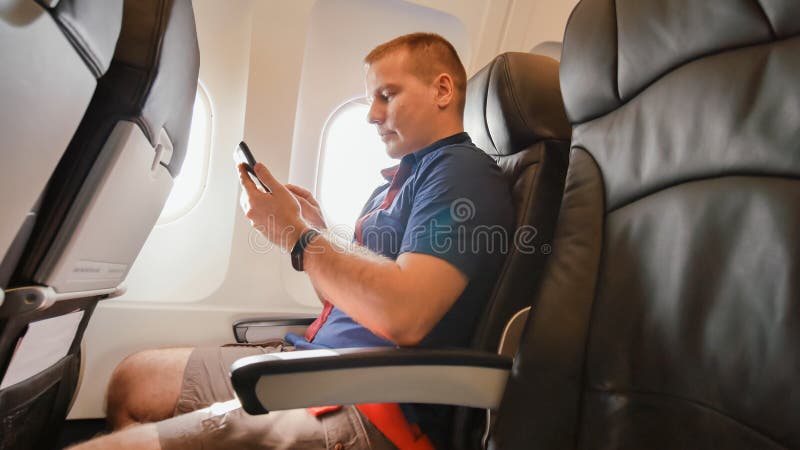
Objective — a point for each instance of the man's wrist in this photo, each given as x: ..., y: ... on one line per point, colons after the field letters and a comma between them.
x: 295, y: 231
x: 298, y: 253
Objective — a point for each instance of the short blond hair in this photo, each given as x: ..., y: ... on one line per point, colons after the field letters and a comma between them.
x: 431, y: 55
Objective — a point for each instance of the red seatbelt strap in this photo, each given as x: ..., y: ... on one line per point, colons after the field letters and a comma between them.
x: 390, y: 420
x: 387, y: 417
x: 313, y: 329
x: 317, y: 411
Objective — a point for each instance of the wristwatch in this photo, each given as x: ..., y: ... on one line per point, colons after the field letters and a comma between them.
x: 300, y: 248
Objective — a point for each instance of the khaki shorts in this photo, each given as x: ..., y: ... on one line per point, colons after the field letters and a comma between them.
x: 207, y: 419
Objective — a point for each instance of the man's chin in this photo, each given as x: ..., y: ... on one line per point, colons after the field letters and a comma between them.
x: 393, y: 152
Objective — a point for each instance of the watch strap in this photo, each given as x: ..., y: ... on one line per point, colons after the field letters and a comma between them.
x: 300, y: 246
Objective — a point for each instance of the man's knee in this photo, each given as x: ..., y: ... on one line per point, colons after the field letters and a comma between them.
x: 145, y: 386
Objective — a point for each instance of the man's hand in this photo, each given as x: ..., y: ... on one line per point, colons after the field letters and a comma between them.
x: 277, y: 214
x: 309, y: 207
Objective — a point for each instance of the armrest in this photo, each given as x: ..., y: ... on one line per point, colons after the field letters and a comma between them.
x: 301, y: 379
x: 262, y: 329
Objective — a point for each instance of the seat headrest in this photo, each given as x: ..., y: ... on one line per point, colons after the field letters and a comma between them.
x: 664, y: 91
x: 548, y: 48
x: 616, y: 49
x: 514, y: 102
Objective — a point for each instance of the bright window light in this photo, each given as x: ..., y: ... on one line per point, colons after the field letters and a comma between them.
x: 191, y: 181
x: 352, y: 157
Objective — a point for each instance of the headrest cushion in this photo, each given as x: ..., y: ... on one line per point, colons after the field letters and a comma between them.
x: 514, y: 102
x: 616, y: 48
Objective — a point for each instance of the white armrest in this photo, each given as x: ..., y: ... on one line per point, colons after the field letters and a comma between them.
x: 301, y: 379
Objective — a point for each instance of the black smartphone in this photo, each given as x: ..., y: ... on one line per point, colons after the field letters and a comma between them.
x: 242, y: 154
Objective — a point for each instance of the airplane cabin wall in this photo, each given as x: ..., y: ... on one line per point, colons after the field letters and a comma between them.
x: 199, y: 273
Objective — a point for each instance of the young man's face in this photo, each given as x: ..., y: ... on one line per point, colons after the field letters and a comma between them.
x: 403, y: 107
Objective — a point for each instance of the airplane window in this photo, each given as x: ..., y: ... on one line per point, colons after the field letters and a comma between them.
x: 191, y: 181
x: 350, y: 163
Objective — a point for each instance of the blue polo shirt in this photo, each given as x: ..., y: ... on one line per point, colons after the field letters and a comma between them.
x: 455, y: 205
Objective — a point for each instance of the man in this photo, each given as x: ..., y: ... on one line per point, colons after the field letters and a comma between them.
x: 420, y: 274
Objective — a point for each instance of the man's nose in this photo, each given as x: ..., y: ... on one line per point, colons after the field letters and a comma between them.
x: 375, y: 114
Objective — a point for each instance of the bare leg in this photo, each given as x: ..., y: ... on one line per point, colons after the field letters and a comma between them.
x: 144, y: 388
x: 224, y: 426
x: 141, y: 437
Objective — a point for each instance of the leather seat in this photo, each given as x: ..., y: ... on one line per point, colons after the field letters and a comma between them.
x: 515, y: 113
x: 669, y: 312
x: 101, y: 203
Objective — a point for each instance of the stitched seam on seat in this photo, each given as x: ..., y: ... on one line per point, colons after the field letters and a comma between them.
x: 565, y: 45
x: 687, y: 400
x: 616, y: 46
x: 485, y: 112
x: 704, y: 178
x: 512, y: 92
x: 79, y: 44
x: 766, y: 18
x: 685, y: 63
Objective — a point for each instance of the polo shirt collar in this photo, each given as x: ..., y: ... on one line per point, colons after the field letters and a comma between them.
x: 413, y: 158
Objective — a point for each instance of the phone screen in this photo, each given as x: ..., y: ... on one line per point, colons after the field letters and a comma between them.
x: 242, y: 154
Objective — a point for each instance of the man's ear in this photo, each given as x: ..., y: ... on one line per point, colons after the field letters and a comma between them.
x: 445, y: 90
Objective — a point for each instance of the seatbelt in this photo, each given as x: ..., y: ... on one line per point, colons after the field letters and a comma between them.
x: 388, y: 418
x: 313, y: 329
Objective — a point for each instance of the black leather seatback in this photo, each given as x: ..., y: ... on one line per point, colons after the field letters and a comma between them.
x: 515, y: 113
x: 669, y: 313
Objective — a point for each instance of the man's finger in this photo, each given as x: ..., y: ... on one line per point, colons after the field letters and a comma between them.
x: 303, y: 202
x: 304, y: 193
x: 245, y: 180
x: 269, y: 181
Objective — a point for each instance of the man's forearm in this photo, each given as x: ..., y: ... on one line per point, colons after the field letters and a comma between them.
x: 318, y: 291
x: 366, y: 286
